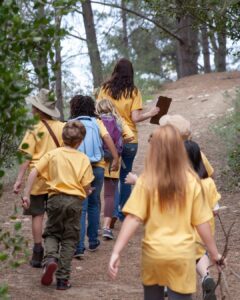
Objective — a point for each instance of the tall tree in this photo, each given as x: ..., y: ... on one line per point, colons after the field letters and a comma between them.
x: 96, y: 64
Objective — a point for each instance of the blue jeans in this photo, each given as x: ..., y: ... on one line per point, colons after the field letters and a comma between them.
x: 116, y: 203
x: 91, y: 206
x: 128, y: 155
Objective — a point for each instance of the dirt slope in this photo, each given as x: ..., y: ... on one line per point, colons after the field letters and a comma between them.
x: 201, y: 99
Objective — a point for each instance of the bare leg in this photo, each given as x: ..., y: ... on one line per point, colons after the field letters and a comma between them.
x: 37, y: 227
x: 106, y: 222
x: 202, y: 266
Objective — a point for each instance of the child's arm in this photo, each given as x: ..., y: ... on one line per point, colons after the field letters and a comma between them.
x: 128, y: 228
x: 22, y: 169
x: 131, y: 178
x: 88, y: 189
x: 139, y: 116
x: 204, y: 231
x: 109, y: 142
x: 27, y: 191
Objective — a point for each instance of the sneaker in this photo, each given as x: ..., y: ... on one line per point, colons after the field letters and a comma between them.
x: 79, y: 254
x: 107, y: 234
x: 93, y: 247
x: 113, y: 221
x: 208, y: 287
x: 37, y: 257
x: 48, y: 271
x: 63, y: 284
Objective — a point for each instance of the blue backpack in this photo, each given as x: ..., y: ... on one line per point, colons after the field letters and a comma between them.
x: 92, y: 144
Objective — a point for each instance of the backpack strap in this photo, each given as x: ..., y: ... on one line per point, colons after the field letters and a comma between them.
x: 51, y: 133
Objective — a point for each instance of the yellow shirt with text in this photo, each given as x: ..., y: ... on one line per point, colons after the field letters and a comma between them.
x: 65, y: 170
x: 168, y: 245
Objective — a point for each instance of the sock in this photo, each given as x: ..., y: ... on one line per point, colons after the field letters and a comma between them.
x: 37, y: 247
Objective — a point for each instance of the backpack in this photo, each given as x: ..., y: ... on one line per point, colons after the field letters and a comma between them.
x: 92, y: 144
x: 115, y: 131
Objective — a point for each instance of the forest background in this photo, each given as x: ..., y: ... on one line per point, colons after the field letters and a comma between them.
x: 71, y: 46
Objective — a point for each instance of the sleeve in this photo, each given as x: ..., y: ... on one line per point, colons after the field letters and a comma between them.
x: 138, y: 204
x: 207, y: 165
x: 102, y: 128
x: 201, y: 212
x: 87, y: 177
x: 126, y: 131
x: 213, y: 194
x: 137, y: 101
x: 42, y: 166
x: 28, y: 143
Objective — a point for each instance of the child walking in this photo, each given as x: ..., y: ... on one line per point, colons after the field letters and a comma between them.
x: 45, y: 136
x: 168, y: 200
x: 69, y: 184
x: 83, y: 108
x: 212, y: 197
x: 120, y: 133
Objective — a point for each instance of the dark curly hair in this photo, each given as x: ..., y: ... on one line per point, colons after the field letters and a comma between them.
x: 121, y: 82
x: 82, y: 106
x: 195, y: 158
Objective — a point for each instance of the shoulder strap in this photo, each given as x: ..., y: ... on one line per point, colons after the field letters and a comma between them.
x: 51, y: 133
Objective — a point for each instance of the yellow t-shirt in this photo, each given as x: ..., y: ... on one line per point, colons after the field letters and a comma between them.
x: 125, y: 106
x: 36, y: 143
x: 212, y: 196
x: 66, y: 170
x: 207, y: 165
x: 168, y: 245
x: 126, y: 134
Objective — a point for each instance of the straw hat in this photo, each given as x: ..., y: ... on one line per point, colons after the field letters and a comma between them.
x: 43, y: 102
x: 179, y: 122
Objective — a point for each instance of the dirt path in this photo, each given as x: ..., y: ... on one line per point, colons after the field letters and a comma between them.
x: 198, y: 98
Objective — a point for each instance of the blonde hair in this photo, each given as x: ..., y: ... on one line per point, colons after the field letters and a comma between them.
x: 166, y: 167
x: 73, y: 133
x: 105, y: 106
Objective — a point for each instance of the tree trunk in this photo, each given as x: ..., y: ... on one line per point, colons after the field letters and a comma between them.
x: 39, y: 58
x: 58, y: 66
x: 188, y: 50
x: 125, y: 35
x: 95, y: 60
x: 205, y: 49
x: 221, y: 52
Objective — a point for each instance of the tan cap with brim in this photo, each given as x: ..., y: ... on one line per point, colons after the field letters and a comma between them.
x: 43, y: 102
x: 179, y: 122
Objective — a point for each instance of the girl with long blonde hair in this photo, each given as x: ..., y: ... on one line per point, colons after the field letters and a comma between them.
x: 120, y: 133
x: 168, y: 200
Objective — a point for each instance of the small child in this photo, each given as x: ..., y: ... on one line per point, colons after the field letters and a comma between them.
x: 212, y: 196
x: 119, y: 132
x: 169, y: 201
x: 68, y: 174
x: 46, y: 135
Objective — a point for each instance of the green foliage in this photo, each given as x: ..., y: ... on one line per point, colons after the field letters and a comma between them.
x: 229, y: 130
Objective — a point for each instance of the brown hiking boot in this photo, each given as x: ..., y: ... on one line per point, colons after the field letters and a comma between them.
x: 37, y: 257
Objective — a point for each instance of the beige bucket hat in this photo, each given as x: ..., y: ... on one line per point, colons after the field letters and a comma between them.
x: 43, y: 102
x: 179, y: 122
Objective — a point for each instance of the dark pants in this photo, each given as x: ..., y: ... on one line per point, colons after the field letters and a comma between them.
x: 110, y: 186
x: 62, y: 231
x: 128, y: 155
x: 156, y: 292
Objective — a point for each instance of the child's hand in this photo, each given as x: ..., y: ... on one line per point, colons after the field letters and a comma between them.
x: 25, y: 202
x: 113, y: 265
x: 115, y: 164
x: 131, y: 178
x: 17, y: 186
x: 220, y: 261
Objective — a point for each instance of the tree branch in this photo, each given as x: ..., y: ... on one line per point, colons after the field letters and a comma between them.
x: 77, y: 37
x: 143, y: 17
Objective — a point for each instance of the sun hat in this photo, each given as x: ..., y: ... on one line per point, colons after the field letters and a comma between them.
x: 46, y: 102
x: 179, y: 122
